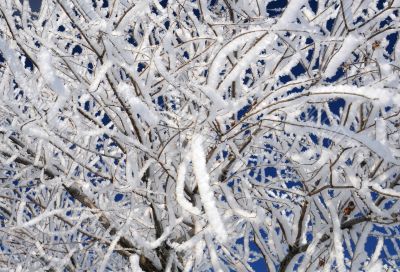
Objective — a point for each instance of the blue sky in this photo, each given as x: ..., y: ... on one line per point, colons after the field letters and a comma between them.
x: 35, y: 4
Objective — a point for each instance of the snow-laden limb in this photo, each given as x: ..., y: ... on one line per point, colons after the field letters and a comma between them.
x: 234, y: 205
x: 35, y: 131
x: 139, y: 10
x: 380, y: 96
x: 100, y: 74
x: 274, y: 242
x: 218, y: 102
x: 346, y: 7
x: 376, y: 266
x: 205, y: 190
x: 310, y: 252
x: 131, y: 167
x: 180, y: 184
x: 54, y: 82
x: 188, y: 265
x: 143, y: 243
x: 168, y: 265
x: 265, y: 40
x: 359, y: 253
x: 191, y: 243
x: 350, y: 43
x: 114, y: 243
x: 228, y: 48
x: 12, y: 59
x: 386, y: 152
x: 337, y: 237
x: 137, y: 105
x: 213, y: 254
x: 134, y: 261
x: 21, y: 208
x: 291, y: 12
x: 43, y: 216
x: 385, y: 191
x: 11, y: 159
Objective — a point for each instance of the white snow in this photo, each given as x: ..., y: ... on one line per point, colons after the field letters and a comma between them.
x: 54, y: 82
x: 245, y: 61
x: 348, y: 14
x: 144, y: 244
x: 381, y: 131
x: 337, y: 237
x: 234, y: 205
x: 137, y: 105
x: 100, y: 75
x: 206, y: 193
x: 310, y: 252
x: 228, y: 48
x: 385, y: 191
x: 213, y: 254
x: 180, y: 183
x: 291, y: 12
x: 350, y: 43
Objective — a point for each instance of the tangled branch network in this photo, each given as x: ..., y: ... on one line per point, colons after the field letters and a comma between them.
x: 199, y: 135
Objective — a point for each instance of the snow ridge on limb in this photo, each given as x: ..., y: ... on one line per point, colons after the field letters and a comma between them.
x: 180, y: 184
x: 337, y: 237
x: 350, y: 43
x: 206, y: 193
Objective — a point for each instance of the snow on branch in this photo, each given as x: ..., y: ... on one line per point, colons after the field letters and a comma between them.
x: 205, y: 190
